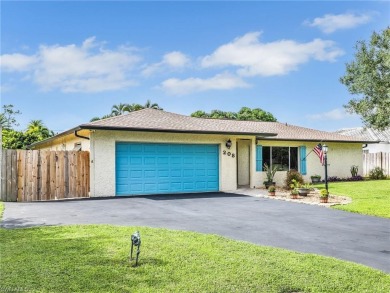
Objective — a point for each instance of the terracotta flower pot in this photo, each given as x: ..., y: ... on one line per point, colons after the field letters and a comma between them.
x: 323, y: 199
x: 294, y: 196
x: 271, y: 193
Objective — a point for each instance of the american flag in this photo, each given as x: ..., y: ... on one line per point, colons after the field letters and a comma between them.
x: 319, y: 152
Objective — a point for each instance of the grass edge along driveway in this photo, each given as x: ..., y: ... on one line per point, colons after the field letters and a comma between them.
x: 94, y: 258
x: 371, y: 197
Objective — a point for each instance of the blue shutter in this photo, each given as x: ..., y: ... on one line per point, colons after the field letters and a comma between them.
x: 259, y: 158
x: 302, y: 154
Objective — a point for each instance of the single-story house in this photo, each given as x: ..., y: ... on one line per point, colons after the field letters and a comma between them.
x: 377, y: 140
x: 153, y: 151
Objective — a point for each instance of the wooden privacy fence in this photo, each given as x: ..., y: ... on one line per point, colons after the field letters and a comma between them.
x: 372, y: 160
x: 34, y: 175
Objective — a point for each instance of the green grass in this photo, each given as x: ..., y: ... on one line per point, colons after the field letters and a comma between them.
x: 368, y: 197
x: 95, y: 259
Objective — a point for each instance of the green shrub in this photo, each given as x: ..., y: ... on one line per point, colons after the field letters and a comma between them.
x: 293, y: 174
x: 377, y: 173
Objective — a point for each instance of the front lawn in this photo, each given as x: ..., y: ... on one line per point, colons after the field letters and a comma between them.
x: 368, y: 197
x: 95, y: 259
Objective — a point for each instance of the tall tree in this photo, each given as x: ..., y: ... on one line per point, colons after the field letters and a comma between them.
x: 368, y: 76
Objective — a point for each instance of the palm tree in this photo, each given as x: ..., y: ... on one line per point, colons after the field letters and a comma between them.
x: 37, y: 126
x: 135, y: 107
x: 151, y: 105
x: 120, y: 109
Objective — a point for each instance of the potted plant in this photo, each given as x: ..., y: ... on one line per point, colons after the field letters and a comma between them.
x: 315, y: 178
x: 324, y: 196
x: 294, y: 194
x: 304, y: 189
x: 270, y: 173
x: 294, y: 189
x: 271, y: 190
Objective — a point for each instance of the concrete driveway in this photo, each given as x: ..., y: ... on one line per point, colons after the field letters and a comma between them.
x: 299, y: 227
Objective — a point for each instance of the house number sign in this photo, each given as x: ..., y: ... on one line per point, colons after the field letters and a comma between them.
x: 224, y: 152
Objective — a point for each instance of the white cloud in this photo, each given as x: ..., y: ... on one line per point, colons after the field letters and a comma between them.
x: 17, y: 62
x: 176, y: 59
x: 335, y: 114
x: 85, y: 68
x: 172, y: 60
x: 224, y: 81
x: 330, y: 23
x: 253, y: 57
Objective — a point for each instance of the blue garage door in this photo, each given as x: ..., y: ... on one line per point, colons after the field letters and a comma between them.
x: 151, y: 168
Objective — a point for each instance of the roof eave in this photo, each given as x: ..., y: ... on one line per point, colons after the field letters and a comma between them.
x: 97, y: 127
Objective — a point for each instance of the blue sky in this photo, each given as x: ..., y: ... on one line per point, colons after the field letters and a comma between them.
x: 66, y: 62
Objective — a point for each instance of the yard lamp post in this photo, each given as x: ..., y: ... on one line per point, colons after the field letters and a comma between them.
x: 325, y: 150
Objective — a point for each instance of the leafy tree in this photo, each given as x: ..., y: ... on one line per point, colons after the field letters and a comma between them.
x: 245, y: 113
x: 255, y: 114
x: 14, y: 139
x: 200, y: 114
x: 369, y: 77
x: 7, y: 118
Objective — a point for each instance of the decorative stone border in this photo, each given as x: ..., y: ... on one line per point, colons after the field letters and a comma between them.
x: 313, y: 198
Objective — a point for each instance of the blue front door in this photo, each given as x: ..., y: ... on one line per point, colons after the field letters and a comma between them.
x: 153, y: 168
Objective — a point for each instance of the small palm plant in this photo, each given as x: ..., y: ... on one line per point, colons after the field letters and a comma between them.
x: 270, y: 173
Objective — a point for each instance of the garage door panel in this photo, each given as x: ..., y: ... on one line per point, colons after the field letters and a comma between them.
x: 134, y: 148
x: 163, y: 173
x: 147, y: 168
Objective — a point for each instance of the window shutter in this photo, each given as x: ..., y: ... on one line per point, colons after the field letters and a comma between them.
x: 259, y: 158
x: 302, y: 150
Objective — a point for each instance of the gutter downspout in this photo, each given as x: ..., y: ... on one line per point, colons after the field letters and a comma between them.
x: 77, y: 135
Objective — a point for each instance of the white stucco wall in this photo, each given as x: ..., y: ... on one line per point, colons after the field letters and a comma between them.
x: 378, y: 147
x: 341, y: 156
x: 103, y: 156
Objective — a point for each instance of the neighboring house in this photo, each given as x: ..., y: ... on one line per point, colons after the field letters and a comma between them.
x: 377, y: 141
x: 153, y: 151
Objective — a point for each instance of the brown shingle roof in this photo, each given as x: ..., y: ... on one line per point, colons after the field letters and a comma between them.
x: 158, y: 120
